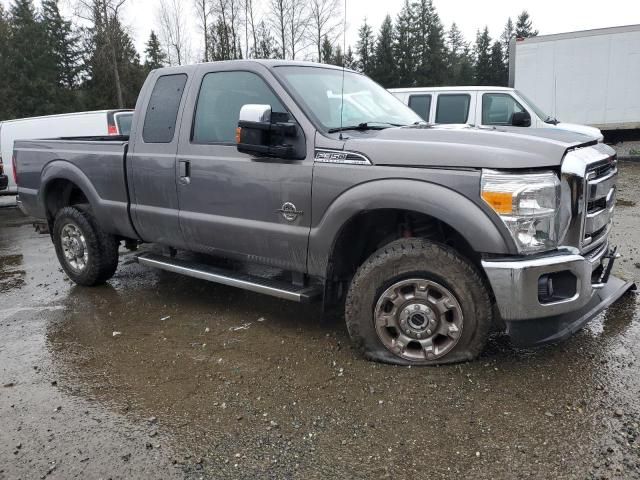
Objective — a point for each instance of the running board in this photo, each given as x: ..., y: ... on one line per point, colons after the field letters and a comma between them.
x: 275, y: 288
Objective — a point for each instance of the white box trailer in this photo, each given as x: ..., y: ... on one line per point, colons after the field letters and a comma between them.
x: 590, y: 77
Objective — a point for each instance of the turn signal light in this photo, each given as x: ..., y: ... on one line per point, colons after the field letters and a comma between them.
x: 238, y: 134
x: 501, y: 202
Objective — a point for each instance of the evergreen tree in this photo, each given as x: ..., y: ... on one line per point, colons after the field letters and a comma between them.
x: 32, y: 72
x: 6, y: 105
x: 429, y: 39
x: 505, y: 38
x: 365, y: 49
x: 496, y: 65
x: 155, y: 56
x: 384, y: 71
x: 459, y: 62
x: 264, y: 47
x: 103, y: 48
x: 404, y: 47
x: 326, y: 51
x: 350, y: 59
x: 482, y: 52
x: 63, y: 44
x: 524, y: 26
x: 338, y: 57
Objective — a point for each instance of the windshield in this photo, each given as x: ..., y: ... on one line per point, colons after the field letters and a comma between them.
x: 541, y: 115
x: 365, y: 102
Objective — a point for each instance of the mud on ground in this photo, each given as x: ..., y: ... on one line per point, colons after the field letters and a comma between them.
x: 161, y: 376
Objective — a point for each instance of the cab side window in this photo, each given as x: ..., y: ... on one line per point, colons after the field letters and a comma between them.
x: 498, y: 108
x: 421, y: 104
x: 222, y: 95
x: 453, y: 108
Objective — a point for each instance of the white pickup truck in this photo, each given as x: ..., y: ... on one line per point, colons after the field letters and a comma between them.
x: 483, y: 106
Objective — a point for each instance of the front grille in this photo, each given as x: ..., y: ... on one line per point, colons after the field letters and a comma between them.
x: 600, y: 193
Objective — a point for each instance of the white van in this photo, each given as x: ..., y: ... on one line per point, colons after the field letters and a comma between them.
x: 81, y: 124
x: 483, y: 106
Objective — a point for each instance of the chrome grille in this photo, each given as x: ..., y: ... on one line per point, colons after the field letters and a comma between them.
x: 589, y: 177
x: 601, y: 199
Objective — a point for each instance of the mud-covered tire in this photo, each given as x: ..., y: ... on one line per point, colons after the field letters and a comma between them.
x: 102, y: 248
x: 418, y: 259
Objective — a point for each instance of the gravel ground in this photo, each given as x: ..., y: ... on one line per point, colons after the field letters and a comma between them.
x: 155, y: 375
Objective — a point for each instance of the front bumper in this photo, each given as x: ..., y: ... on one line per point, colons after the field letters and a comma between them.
x: 535, y: 314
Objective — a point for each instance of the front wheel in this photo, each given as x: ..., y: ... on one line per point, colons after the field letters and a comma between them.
x: 87, y: 254
x: 416, y: 302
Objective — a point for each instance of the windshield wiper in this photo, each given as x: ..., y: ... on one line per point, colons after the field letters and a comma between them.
x: 366, y: 126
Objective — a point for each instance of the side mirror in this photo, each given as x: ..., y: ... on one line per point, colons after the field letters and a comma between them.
x: 263, y: 132
x: 521, y: 119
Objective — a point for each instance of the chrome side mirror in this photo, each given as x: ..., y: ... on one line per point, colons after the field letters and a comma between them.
x: 255, y: 113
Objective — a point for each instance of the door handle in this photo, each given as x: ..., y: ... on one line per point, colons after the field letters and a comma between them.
x: 184, y: 170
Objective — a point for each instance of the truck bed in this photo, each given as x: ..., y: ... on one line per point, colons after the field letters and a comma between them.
x: 98, y: 168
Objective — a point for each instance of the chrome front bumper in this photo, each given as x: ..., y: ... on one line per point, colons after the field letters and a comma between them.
x: 530, y: 320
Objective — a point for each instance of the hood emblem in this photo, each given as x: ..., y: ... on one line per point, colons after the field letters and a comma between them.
x: 289, y: 211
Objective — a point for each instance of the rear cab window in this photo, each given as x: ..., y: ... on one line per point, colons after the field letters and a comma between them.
x: 453, y: 108
x: 421, y: 104
x: 162, y: 111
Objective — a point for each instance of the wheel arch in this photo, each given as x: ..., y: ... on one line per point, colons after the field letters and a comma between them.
x: 459, y: 217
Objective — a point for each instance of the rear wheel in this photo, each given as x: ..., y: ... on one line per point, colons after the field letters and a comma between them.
x: 416, y: 302
x: 87, y: 254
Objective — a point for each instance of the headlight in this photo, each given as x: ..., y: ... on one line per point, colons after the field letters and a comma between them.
x: 528, y: 204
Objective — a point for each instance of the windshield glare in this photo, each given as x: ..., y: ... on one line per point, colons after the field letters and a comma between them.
x: 320, y: 91
x: 541, y: 115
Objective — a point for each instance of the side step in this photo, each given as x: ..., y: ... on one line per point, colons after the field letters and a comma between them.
x: 275, y: 288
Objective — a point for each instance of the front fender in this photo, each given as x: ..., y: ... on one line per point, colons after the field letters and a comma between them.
x: 444, y: 204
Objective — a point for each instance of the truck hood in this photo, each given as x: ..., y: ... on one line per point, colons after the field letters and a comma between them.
x: 583, y: 129
x: 465, y: 146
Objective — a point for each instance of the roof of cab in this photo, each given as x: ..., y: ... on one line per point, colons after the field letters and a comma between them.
x: 267, y: 63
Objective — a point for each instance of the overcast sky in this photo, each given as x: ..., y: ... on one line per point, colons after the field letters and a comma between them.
x: 549, y: 16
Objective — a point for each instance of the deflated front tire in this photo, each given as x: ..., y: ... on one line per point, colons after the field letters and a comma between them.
x: 417, y: 302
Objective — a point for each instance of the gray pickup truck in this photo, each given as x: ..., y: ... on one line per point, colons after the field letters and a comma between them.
x: 314, y: 183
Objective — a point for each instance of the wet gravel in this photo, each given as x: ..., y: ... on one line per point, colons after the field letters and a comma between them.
x: 155, y: 375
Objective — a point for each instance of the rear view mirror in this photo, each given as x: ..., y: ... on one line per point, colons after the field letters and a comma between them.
x: 521, y: 119
x: 263, y: 132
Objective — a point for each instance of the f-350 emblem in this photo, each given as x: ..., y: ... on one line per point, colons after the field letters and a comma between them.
x: 289, y: 211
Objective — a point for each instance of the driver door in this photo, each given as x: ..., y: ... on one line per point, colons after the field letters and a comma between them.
x: 230, y: 202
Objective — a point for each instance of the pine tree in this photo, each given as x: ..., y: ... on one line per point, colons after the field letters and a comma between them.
x: 496, y: 65
x: 524, y: 26
x: 429, y: 39
x: 326, y: 51
x: 482, y: 51
x: 505, y: 38
x: 338, y: 57
x: 264, y: 47
x: 6, y: 94
x: 350, y: 59
x: 101, y: 52
x: 458, y: 56
x: 32, y: 71
x: 62, y: 44
x: 365, y: 48
x: 404, y: 47
x: 385, y: 65
x: 155, y: 56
